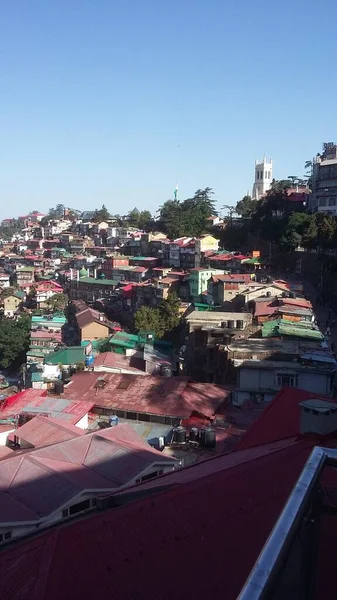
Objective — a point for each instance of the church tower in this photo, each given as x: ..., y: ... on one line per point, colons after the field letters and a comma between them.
x: 263, y: 178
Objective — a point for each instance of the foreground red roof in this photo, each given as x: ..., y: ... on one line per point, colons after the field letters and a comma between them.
x: 213, y: 526
x: 280, y: 419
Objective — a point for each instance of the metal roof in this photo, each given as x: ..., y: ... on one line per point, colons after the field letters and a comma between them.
x: 183, y: 525
x: 93, y: 281
x: 44, y: 431
x: 173, y: 397
x: 280, y: 419
x: 37, y: 483
x: 66, y: 356
x: 37, y: 402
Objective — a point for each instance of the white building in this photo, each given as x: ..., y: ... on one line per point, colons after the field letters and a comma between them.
x: 259, y: 380
x: 263, y: 178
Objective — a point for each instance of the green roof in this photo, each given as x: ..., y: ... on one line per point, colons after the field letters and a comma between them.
x: 142, y: 257
x: 279, y: 327
x: 66, y: 356
x: 36, y: 353
x: 124, y: 340
x: 96, y: 344
x: 98, y: 281
x: 312, y: 334
x: 251, y: 261
x: 56, y: 318
x: 203, y: 307
x: 19, y: 294
x: 23, y: 268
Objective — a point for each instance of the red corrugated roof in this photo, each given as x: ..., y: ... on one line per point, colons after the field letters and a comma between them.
x: 263, y: 309
x: 37, y: 483
x: 36, y: 401
x: 297, y: 302
x: 279, y: 420
x: 214, y: 526
x: 43, y: 431
x: 172, y: 396
x: 119, y: 361
x: 221, y: 257
x: 37, y: 335
x: 232, y: 278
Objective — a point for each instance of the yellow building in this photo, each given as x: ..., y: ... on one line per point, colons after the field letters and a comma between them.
x: 206, y: 242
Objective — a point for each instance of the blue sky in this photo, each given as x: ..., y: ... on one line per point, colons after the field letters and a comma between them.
x: 114, y: 101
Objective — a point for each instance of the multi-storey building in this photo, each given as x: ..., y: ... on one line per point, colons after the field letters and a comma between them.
x: 324, y: 181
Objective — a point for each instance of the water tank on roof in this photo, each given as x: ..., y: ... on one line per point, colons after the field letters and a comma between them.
x: 268, y: 294
x: 179, y: 435
x: 113, y: 420
x: 207, y: 437
x: 239, y: 324
x: 89, y: 360
x: 292, y: 295
x: 165, y: 371
x: 59, y: 387
x: 284, y: 294
x: 231, y: 324
x: 194, y: 434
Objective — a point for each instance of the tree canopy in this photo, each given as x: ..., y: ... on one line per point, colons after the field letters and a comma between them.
x: 101, y: 214
x: 188, y: 217
x: 57, y: 212
x: 276, y: 218
x: 6, y: 233
x: 246, y: 207
x: 57, y: 302
x: 14, y: 341
x: 162, y: 319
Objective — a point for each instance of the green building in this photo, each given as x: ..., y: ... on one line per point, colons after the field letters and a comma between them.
x: 198, y: 281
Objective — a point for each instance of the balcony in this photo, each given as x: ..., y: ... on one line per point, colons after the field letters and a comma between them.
x: 287, y: 565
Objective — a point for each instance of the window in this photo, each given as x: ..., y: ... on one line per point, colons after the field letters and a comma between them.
x: 261, y: 175
x: 287, y: 379
x: 76, y: 508
x: 5, y: 536
x: 149, y: 476
x: 258, y: 175
x: 124, y: 384
x: 332, y: 201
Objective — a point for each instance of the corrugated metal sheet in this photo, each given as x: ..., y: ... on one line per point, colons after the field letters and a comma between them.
x: 151, y: 395
x: 34, y: 401
x: 44, y: 431
x: 36, y: 483
x: 182, y: 526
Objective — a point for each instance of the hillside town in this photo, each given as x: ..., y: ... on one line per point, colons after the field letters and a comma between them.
x: 181, y: 367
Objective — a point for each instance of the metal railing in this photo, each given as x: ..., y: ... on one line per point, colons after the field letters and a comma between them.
x: 273, y: 556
